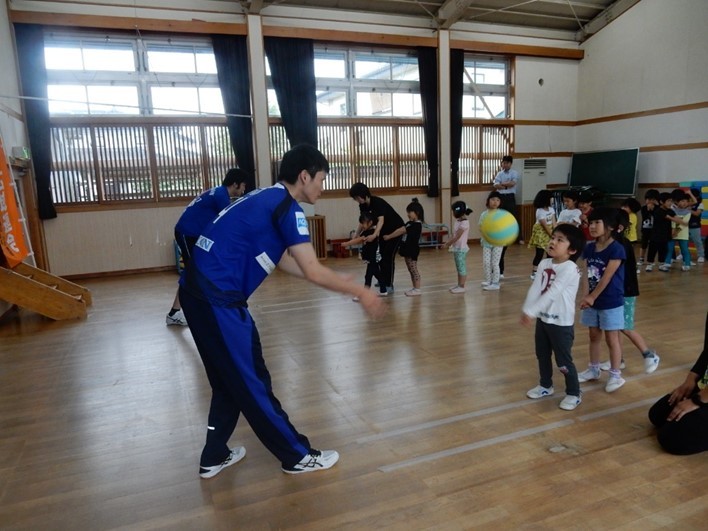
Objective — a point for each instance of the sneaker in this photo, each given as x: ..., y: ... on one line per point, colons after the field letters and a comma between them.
x: 651, y: 362
x: 685, y: 268
x: 501, y: 276
x: 649, y: 268
x: 539, y: 392
x: 532, y: 276
x: 457, y: 289
x: 589, y: 374
x: 176, y: 319
x: 640, y: 261
x: 605, y: 365
x: 701, y: 260
x: 491, y: 287
x: 678, y: 258
x: 413, y: 292
x: 383, y: 293
x: 355, y: 299
x: 664, y: 268
x: 238, y: 453
x: 570, y: 402
x: 614, y: 383
x: 484, y: 284
x: 389, y: 289
x: 313, y: 461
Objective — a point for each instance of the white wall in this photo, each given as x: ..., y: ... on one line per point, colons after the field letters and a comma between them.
x: 11, y: 127
x: 652, y: 57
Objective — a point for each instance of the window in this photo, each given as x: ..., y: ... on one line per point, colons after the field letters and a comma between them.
x: 485, y: 87
x: 362, y: 82
x: 88, y: 73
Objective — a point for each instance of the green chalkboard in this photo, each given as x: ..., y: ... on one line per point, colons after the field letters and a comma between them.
x: 613, y: 172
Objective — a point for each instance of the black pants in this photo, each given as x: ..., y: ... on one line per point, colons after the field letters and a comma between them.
x: 657, y: 247
x: 508, y: 203
x: 374, y: 271
x: 556, y: 340
x: 680, y: 437
x: 388, y: 250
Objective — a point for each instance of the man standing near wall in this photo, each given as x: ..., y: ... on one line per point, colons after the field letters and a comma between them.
x: 505, y: 183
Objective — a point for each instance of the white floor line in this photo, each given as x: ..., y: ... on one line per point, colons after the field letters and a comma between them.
x: 618, y: 409
x: 474, y: 446
x: 512, y: 405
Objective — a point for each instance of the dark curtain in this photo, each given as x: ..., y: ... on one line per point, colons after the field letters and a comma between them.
x: 231, y: 53
x: 29, y: 39
x: 292, y: 69
x: 428, y: 71
x: 457, y: 68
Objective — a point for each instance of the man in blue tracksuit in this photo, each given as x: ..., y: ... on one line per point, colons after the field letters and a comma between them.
x: 232, y: 257
x: 197, y: 216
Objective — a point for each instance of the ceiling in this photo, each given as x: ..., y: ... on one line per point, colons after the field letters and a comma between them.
x: 573, y: 20
x: 583, y: 17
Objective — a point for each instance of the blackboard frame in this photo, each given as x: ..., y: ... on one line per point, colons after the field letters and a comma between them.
x: 614, y: 172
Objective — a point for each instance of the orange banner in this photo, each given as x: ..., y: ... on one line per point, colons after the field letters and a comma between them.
x: 12, y: 239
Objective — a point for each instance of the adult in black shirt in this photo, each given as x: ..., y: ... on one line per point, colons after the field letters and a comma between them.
x: 388, y: 221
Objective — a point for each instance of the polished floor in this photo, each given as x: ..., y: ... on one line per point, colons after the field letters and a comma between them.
x: 102, y: 420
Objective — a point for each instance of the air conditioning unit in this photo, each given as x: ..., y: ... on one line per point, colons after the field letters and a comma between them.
x: 533, y: 178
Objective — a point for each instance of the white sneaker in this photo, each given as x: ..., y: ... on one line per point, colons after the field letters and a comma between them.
x: 614, y: 383
x: 651, y: 363
x: 383, y: 293
x: 701, y: 260
x: 501, y: 276
x: 413, y: 292
x: 539, y: 392
x: 314, y: 461
x: 589, y: 374
x: 457, y: 289
x: 491, y: 287
x: 483, y: 284
x: 238, y: 453
x: 532, y: 276
x: 177, y: 319
x: 649, y: 268
x: 570, y: 402
x: 605, y: 365
x: 685, y: 268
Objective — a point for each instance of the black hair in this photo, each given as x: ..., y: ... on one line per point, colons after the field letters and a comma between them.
x: 367, y: 216
x: 664, y: 196
x: 576, y: 238
x: 607, y: 215
x: 301, y: 157
x: 652, y: 193
x: 359, y: 190
x: 459, y: 209
x: 622, y: 223
x: 696, y: 192
x: 507, y: 158
x: 677, y: 194
x: 235, y: 176
x: 571, y: 194
x: 543, y: 199
x: 584, y: 197
x: 492, y: 195
x: 415, y: 206
x: 632, y: 204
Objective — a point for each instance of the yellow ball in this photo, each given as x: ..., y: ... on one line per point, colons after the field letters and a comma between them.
x: 499, y: 228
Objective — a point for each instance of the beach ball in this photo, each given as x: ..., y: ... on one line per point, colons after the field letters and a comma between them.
x: 499, y: 228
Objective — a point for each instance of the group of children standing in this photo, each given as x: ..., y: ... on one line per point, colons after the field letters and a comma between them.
x: 604, y: 237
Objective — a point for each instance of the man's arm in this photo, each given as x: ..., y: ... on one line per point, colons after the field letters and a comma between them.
x: 301, y: 260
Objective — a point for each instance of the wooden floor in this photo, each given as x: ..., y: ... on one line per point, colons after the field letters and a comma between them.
x: 102, y: 421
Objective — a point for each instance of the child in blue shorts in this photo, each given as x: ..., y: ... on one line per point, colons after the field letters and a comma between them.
x: 603, y: 306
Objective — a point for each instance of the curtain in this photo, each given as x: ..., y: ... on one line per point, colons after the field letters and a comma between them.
x: 29, y: 39
x: 428, y: 71
x: 231, y: 54
x: 457, y: 68
x: 292, y: 69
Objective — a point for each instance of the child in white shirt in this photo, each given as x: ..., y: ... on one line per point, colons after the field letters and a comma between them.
x: 551, y: 299
x: 570, y: 213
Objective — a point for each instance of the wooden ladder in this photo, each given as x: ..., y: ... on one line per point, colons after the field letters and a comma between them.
x: 41, y: 292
